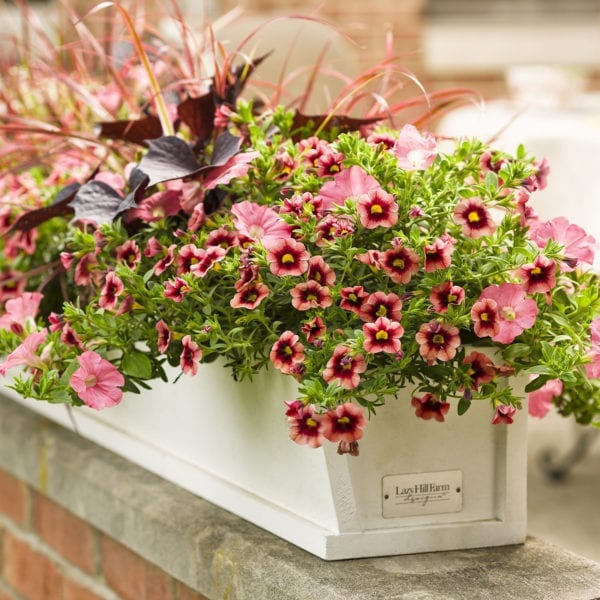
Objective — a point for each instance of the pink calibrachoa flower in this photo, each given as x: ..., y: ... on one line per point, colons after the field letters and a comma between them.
x: 540, y: 400
x: 287, y: 352
x: 329, y: 163
x: 474, y: 218
x: 306, y: 426
x: 287, y: 257
x: 12, y: 284
x: 26, y: 354
x: 332, y: 227
x: 113, y: 288
x: 345, y: 367
x: 84, y: 268
x: 69, y: 336
x: 415, y: 152
x: 320, y: 271
x: 222, y: 237
x: 164, y: 263
x: 481, y: 368
x: 176, y: 290
x: 208, y: 258
x: 445, y: 294
x: 344, y: 423
x: 439, y: 254
x: 399, y: 263
x: 188, y: 255
x: 129, y: 253
x: 303, y: 206
x: 486, y: 320
x: 349, y: 183
x: 163, y: 336
x: 190, y: 356
x: 314, y: 330
x: 21, y: 312
x: 153, y: 248
x: 515, y: 311
x: 249, y: 295
x: 438, y: 340
x: 259, y: 222
x: 352, y: 298
x: 381, y: 304
x: 504, y: 414
x: 377, y: 209
x: 97, y: 381
x: 382, y: 336
x: 430, y: 407
x: 538, y: 276
x: 310, y: 294
x: 579, y: 246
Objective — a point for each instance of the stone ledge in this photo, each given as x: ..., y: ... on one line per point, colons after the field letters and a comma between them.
x: 223, y: 556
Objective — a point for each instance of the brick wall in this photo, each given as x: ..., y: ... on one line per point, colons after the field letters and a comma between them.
x: 47, y: 553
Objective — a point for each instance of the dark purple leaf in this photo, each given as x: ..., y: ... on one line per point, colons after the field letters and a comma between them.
x: 198, y: 114
x: 58, y: 208
x: 136, y: 131
x: 341, y: 123
x: 138, y: 182
x: 241, y: 75
x: 96, y: 201
x: 226, y: 146
x: 168, y: 158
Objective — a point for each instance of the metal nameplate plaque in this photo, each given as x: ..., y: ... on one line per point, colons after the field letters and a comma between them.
x: 422, y: 494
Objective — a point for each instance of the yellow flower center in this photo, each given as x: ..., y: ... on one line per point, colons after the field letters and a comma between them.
x: 536, y: 271
x: 484, y: 317
x: 381, y: 335
x: 452, y: 298
x: 376, y: 209
x: 381, y: 311
x: 287, y: 258
x: 287, y: 350
x: 398, y: 263
x: 311, y: 297
x: 311, y: 422
x: 438, y: 338
x: 508, y: 313
x: 352, y: 297
x: 343, y: 420
x: 473, y: 217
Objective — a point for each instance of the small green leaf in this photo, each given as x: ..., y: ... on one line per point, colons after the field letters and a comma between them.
x: 60, y: 397
x: 137, y: 364
x: 536, y: 384
x: 463, y: 406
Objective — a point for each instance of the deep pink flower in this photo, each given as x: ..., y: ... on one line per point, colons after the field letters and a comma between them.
x: 430, y: 407
x: 157, y: 206
x: 190, y: 356
x: 332, y: 227
x: 304, y: 206
x: 381, y: 304
x: 84, y: 268
x: 207, y: 259
x: 177, y: 289
x: 249, y: 295
x: 222, y: 237
x: 259, y: 222
x: 377, y: 209
x: 382, y: 336
x: 287, y: 257
x: 12, y: 284
x: 344, y: 423
x: 113, y: 288
x: 578, y: 245
x: 188, y: 255
x: 538, y: 276
x: 344, y: 367
x: 197, y: 217
x: 153, y: 248
x: 129, y: 253
x: 320, y: 271
x: 314, y: 329
x: 66, y: 259
x: 306, y: 426
x: 310, y: 294
x: 445, y: 294
x: 352, y: 298
x: 540, y: 400
x: 481, y: 368
x: 439, y: 254
x: 329, y: 163
x: 26, y: 353
x: 69, y: 336
x: 399, y: 263
x: 349, y: 183
x: 486, y: 320
x: 438, y: 340
x: 516, y: 312
x: 21, y: 312
x: 97, y: 381
x: 164, y: 263
x: 413, y: 150
x: 287, y: 352
x: 164, y: 336
x: 474, y: 218
x: 504, y: 414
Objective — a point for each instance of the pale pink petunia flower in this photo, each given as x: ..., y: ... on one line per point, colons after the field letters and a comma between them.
x: 540, y: 401
x: 414, y: 150
x: 26, y: 354
x: 259, y: 222
x: 157, y: 206
x: 21, y: 312
x: 348, y: 183
x: 97, y: 381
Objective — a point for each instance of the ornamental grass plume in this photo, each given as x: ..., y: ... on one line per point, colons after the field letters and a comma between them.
x: 344, y: 250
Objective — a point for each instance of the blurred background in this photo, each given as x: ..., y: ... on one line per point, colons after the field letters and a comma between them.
x: 535, y: 68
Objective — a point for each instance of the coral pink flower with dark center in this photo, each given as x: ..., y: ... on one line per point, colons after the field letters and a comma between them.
x: 287, y: 257
x: 69, y: 336
x: 438, y: 341
x: 349, y: 183
x: 504, y: 414
x: 249, y: 295
x: 209, y: 257
x: 287, y: 352
x: 188, y: 256
x: 177, y: 289
x: 312, y: 148
x: 259, y: 222
x: 320, y: 271
x: 66, y: 260
x: 381, y: 304
x: 113, y: 288
x: 430, y: 407
x: 329, y: 163
x: 382, y: 336
x: 344, y: 367
x: 310, y: 294
x: 413, y: 150
x: 164, y: 263
x: 294, y: 408
x: 190, y: 356
x: 97, y: 382
x: 304, y: 206
x: 84, y: 268
x: 163, y: 333
x: 578, y: 245
x: 516, y: 312
x: 439, y: 254
x: 129, y: 253
x: 12, y: 284
x: 474, y: 218
x: 387, y: 139
x: 20, y: 242
x: 481, y: 368
x: 352, y: 298
x: 399, y: 263
x: 314, y: 329
x: 27, y: 353
x: 153, y: 248
x: 377, y: 209
x: 222, y: 237
x: 332, y: 227
x: 157, y: 206
x: 344, y: 423
x: 486, y: 320
x: 306, y: 427
x: 20, y: 312
x: 445, y: 294
x: 538, y: 276
x: 540, y: 401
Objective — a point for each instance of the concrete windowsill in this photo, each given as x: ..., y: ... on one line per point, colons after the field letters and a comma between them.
x: 223, y: 556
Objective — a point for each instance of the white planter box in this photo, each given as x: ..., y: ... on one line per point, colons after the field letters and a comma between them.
x: 228, y: 442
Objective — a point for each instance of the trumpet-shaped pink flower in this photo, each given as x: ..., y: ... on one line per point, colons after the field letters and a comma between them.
x: 481, y: 368
x: 540, y: 401
x: 344, y: 423
x: 382, y: 336
x: 259, y: 222
x: 474, y: 218
x: 249, y: 295
x: 306, y: 427
x: 415, y: 152
x: 344, y: 367
x: 21, y: 312
x: 208, y: 258
x: 486, y: 320
x: 287, y: 352
x: 538, y: 276
x: 237, y: 166
x: 26, y: 354
x: 113, y: 288
x: 310, y: 294
x: 157, y: 206
x: 320, y: 271
x: 177, y: 289
x: 353, y: 298
x: 97, y: 381
x: 314, y: 330
x: 129, y: 253
x: 430, y: 407
x: 287, y: 257
x: 439, y: 254
x: 377, y: 209
x: 164, y: 336
x: 504, y: 414
x: 438, y: 341
x: 381, y: 304
x: 190, y: 356
x: 349, y: 183
x: 445, y: 294
x: 399, y: 263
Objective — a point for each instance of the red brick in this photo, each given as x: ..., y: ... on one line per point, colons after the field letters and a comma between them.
x: 29, y: 572
x: 13, y: 498
x: 132, y: 577
x: 73, y: 591
x: 186, y: 593
x: 67, y: 534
